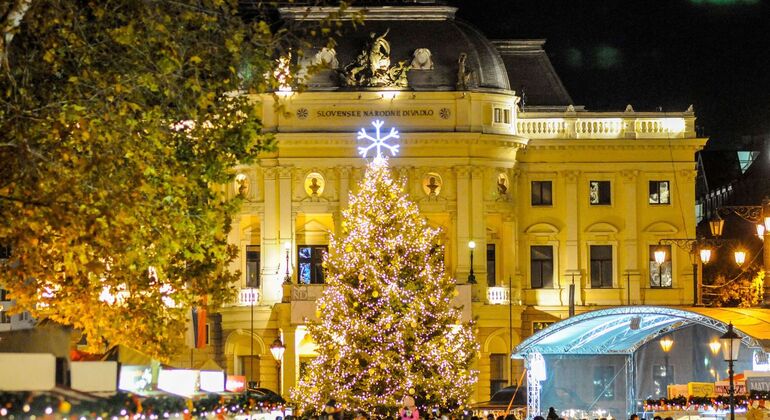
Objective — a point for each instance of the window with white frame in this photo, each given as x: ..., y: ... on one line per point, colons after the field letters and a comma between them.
x: 660, y: 274
x: 660, y: 192
x: 541, y: 266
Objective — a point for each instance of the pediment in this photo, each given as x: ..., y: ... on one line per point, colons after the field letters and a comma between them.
x: 602, y: 227
x: 541, y: 229
x: 661, y: 227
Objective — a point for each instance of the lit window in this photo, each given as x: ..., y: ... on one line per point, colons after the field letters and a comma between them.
x: 491, y: 262
x: 541, y: 265
x: 660, y: 192
x: 660, y: 274
x: 310, y: 259
x: 541, y: 193
x: 252, y: 266
x: 599, y: 193
x: 601, y: 266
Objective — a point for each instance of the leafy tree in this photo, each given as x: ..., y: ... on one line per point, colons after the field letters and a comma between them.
x: 118, y: 128
x: 387, y: 324
x: 743, y: 291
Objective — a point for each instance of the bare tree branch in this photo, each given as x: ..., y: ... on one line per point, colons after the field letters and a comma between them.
x: 10, y: 25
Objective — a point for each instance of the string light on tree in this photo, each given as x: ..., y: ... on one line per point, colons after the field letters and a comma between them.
x: 387, y: 326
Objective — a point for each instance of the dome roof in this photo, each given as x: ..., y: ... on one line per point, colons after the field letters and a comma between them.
x: 410, y: 31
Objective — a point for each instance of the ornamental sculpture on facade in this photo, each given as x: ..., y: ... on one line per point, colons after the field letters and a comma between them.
x: 372, y: 66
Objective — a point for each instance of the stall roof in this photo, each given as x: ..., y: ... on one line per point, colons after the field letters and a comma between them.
x: 622, y: 330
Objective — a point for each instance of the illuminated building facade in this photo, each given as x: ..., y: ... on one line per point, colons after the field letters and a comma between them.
x: 493, y: 151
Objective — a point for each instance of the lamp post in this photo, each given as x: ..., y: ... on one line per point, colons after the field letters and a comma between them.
x: 700, y: 253
x: 471, y: 276
x: 277, y: 348
x: 287, y: 278
x: 665, y: 344
x: 760, y: 216
x: 731, y: 345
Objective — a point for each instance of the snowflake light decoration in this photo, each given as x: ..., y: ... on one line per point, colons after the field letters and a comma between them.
x: 378, y: 141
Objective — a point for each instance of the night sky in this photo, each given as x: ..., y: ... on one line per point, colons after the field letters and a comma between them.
x: 714, y: 54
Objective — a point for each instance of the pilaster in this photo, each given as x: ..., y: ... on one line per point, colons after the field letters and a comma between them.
x: 572, y: 255
x: 271, y: 284
x: 463, y: 222
x: 631, y: 279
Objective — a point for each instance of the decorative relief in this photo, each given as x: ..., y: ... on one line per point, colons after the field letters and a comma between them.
x: 463, y: 74
x: 242, y: 185
x: 326, y: 58
x: 314, y: 184
x: 462, y: 171
x: 421, y: 59
x: 302, y: 113
x: 629, y: 175
x: 503, y: 185
x: 431, y: 184
x: 372, y: 66
x: 445, y: 113
x: 570, y: 176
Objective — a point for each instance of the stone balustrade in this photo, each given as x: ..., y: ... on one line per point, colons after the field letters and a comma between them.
x: 248, y: 297
x: 498, y: 295
x: 605, y: 126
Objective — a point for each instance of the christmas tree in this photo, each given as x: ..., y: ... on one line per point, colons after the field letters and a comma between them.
x: 387, y: 327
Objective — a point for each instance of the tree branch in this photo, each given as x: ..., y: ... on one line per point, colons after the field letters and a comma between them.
x: 10, y: 25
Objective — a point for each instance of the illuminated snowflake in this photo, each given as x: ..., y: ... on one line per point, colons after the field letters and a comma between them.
x: 378, y: 141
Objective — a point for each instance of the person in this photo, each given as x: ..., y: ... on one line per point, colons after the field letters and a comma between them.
x: 408, y: 411
x: 490, y: 416
x: 552, y: 414
x: 634, y: 417
x: 657, y: 418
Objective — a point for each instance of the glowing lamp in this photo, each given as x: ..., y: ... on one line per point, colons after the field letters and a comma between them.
x: 660, y: 255
x: 767, y: 223
x: 705, y: 255
x: 716, y: 224
x: 761, y: 231
x: 731, y: 344
x: 277, y: 348
x: 666, y: 343
x: 287, y: 246
x: 472, y: 245
x: 740, y: 257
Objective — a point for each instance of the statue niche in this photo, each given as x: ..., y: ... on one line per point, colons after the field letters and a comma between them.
x: 372, y: 66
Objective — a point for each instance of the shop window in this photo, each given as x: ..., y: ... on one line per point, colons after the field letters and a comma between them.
x: 4, y: 318
x: 491, y: 265
x: 252, y: 266
x: 541, y: 193
x: 498, y: 377
x: 604, y: 388
x: 310, y: 259
x: 601, y: 266
x: 660, y: 274
x: 659, y: 192
x: 541, y: 266
x: 599, y: 193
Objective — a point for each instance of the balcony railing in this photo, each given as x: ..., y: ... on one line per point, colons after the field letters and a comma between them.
x: 605, y: 126
x: 498, y: 295
x: 249, y: 296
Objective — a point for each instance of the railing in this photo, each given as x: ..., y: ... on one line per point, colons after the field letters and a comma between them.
x: 498, y: 295
x: 249, y: 296
x: 605, y: 126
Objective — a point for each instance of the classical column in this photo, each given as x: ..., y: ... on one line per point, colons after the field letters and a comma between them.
x: 478, y: 232
x: 631, y: 280
x: 271, y: 282
x: 463, y: 223
x: 286, y: 229
x: 572, y: 262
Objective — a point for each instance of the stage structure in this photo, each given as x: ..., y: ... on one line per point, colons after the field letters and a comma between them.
x: 604, y: 363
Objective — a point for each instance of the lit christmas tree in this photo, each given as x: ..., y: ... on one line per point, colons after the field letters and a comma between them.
x: 387, y: 327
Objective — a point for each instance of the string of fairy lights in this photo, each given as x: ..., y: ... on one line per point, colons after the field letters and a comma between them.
x: 387, y: 327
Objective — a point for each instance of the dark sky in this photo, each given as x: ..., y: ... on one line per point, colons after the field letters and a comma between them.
x: 714, y: 54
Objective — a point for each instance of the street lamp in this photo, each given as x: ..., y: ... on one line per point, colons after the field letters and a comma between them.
x: 660, y: 258
x: 740, y: 257
x: 277, y: 348
x: 731, y: 345
x: 471, y: 276
x: 287, y: 278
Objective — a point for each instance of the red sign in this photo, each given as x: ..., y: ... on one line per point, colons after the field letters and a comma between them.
x: 235, y: 383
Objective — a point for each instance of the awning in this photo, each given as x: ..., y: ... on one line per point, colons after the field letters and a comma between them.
x: 622, y: 330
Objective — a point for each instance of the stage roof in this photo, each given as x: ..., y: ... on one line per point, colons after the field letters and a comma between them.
x: 622, y: 330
